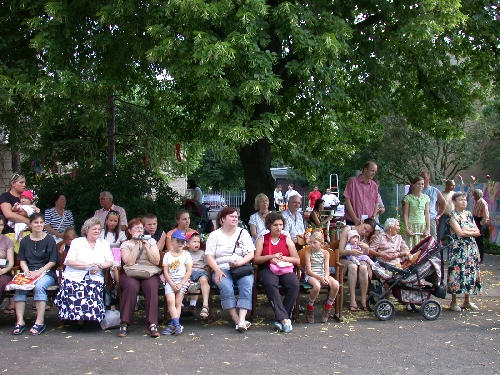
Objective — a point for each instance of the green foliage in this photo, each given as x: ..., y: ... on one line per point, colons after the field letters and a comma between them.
x: 137, y: 190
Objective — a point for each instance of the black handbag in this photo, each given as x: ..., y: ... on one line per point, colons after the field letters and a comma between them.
x: 244, y: 270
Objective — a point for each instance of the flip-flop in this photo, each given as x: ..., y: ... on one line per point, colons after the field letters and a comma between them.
x: 9, y: 311
x: 19, y: 328
x: 38, y: 328
x: 354, y: 308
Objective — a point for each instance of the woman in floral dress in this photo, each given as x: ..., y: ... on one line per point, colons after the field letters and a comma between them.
x: 463, y: 271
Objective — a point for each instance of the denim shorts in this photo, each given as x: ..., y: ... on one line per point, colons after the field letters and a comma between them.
x: 195, y: 276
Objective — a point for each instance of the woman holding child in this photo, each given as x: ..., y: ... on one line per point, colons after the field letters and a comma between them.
x: 143, y: 254
x: 273, y: 248
x: 228, y: 248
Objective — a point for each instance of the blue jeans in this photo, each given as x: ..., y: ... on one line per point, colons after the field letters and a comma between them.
x: 226, y: 287
x: 195, y: 276
x: 39, y: 293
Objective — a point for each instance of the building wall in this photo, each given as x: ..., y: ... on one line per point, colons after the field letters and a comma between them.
x: 5, y: 167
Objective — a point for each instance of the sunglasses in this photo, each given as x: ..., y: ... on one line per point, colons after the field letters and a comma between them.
x: 116, y: 213
x: 16, y: 177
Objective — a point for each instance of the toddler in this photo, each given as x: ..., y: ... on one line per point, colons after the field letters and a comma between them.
x: 352, y: 244
x: 177, y: 267
x: 69, y: 235
x: 317, y: 274
x: 26, y: 205
x: 199, y: 276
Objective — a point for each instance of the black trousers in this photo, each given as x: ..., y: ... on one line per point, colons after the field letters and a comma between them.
x: 282, y: 308
x: 480, y: 239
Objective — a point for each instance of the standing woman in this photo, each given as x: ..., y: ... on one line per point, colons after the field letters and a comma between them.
x: 183, y: 221
x: 37, y: 254
x: 229, y: 247
x: 80, y: 297
x: 481, y: 215
x: 7, y: 253
x: 463, y: 271
x: 416, y: 213
x: 273, y: 248
x: 57, y: 219
x: 257, y: 220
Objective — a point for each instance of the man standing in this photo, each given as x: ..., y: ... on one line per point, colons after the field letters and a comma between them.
x: 294, y: 223
x: 278, y: 198
x: 290, y: 193
x: 481, y: 214
x: 361, y: 195
x: 437, y: 204
x: 443, y: 226
x: 314, y: 196
x: 330, y: 200
x: 106, y: 201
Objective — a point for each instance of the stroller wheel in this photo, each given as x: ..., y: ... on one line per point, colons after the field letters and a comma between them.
x: 370, y: 303
x: 430, y: 309
x: 384, y: 309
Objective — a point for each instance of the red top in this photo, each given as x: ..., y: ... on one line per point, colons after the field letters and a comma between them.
x: 269, y: 248
x: 314, y: 196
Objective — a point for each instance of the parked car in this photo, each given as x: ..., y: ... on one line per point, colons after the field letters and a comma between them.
x: 214, y: 201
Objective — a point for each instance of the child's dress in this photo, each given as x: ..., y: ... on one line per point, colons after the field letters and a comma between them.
x: 317, y: 264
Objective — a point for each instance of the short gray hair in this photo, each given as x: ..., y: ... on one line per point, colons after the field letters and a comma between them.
x: 108, y: 194
x: 479, y: 193
x: 389, y: 223
x: 89, y: 223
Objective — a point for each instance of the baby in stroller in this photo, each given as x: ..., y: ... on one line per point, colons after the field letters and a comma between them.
x: 352, y: 244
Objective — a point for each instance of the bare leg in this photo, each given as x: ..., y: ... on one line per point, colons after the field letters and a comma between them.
x: 40, y: 312
x: 352, y: 278
x: 363, y: 283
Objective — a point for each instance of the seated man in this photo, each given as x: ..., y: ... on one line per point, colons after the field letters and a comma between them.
x: 106, y: 201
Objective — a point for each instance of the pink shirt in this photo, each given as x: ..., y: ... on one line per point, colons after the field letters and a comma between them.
x: 382, y: 243
x: 101, y: 214
x: 363, y: 197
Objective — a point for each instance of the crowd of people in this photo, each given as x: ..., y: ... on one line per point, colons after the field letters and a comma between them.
x: 139, y: 256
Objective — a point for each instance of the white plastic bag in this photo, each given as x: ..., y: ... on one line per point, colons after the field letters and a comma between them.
x: 111, y: 320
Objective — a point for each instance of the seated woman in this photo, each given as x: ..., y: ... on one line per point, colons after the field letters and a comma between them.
x: 143, y: 253
x: 275, y: 247
x: 230, y: 247
x: 57, y: 219
x: 389, y: 246
x: 7, y: 254
x: 257, y: 220
x: 315, y: 216
x: 37, y: 254
x: 361, y: 273
x: 80, y: 297
x: 182, y: 221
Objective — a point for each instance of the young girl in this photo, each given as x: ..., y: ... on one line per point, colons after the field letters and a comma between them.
x: 318, y: 274
x: 177, y: 267
x: 416, y: 213
x: 199, y: 276
x: 69, y: 235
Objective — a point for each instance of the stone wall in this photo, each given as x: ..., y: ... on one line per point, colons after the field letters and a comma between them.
x: 5, y: 167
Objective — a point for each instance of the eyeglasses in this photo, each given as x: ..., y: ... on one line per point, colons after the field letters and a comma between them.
x: 16, y: 177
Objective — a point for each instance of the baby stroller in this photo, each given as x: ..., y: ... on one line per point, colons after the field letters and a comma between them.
x: 414, y: 283
x: 199, y: 215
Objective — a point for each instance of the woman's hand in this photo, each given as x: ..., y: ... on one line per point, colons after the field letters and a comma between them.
x: 218, y: 276
x: 426, y: 233
x: 408, y: 232
x: 32, y: 274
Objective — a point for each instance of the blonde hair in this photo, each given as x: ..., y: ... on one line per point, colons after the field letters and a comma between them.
x: 318, y: 236
x: 260, y: 197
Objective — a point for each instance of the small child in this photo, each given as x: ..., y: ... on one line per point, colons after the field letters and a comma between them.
x: 177, y: 267
x: 26, y: 205
x: 352, y: 244
x: 199, y: 277
x: 69, y: 235
x: 318, y: 273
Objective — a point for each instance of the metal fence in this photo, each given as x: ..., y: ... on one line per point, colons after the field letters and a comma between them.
x: 234, y: 198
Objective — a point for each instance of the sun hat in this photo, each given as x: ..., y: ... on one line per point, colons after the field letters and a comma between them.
x: 351, y: 234
x: 28, y: 194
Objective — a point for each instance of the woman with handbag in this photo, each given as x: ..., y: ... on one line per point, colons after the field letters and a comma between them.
x: 140, y: 259
x: 57, y: 219
x: 80, y: 297
x: 228, y: 253
x: 276, y: 255
x: 38, y: 256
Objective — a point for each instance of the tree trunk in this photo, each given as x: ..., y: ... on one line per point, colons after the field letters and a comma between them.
x: 256, y: 161
x: 16, y: 161
x: 111, y: 130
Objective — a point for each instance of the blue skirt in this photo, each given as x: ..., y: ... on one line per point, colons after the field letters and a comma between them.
x: 81, y: 300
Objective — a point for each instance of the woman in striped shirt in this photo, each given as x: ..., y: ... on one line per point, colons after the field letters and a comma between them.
x: 57, y: 219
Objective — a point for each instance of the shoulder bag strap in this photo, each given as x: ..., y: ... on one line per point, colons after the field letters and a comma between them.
x: 236, y: 243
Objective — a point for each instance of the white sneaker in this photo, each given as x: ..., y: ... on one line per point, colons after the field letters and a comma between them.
x: 471, y: 306
x: 455, y: 307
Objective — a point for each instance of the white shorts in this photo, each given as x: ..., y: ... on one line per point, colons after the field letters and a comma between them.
x: 184, y: 289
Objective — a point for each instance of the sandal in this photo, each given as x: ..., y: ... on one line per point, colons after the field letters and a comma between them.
x: 152, y: 331
x: 123, y: 330
x: 9, y: 311
x: 37, y: 329
x: 205, y: 312
x: 243, y: 326
x: 354, y: 308
x: 18, y: 329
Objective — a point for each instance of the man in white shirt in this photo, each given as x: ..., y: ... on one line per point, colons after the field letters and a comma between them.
x: 294, y: 223
x: 290, y: 193
x: 106, y: 201
x: 330, y: 200
x: 278, y: 198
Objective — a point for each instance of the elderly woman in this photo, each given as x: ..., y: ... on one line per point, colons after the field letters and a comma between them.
x: 57, y: 219
x: 6, y: 254
x: 37, y: 255
x: 80, y: 297
x: 481, y: 215
x: 230, y: 247
x: 361, y: 273
x: 273, y: 248
x: 182, y: 222
x: 143, y: 254
x: 463, y: 271
x: 389, y: 245
x: 257, y: 220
